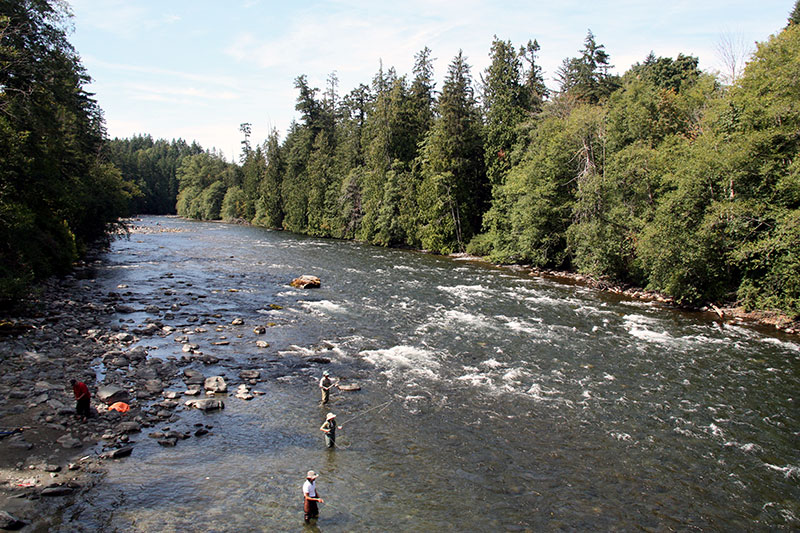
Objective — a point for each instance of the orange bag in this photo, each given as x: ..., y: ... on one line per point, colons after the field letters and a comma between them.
x: 122, y: 407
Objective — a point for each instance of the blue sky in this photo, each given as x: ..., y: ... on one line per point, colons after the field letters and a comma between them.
x: 198, y: 69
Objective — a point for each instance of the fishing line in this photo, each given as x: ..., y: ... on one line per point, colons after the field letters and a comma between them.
x: 382, y: 407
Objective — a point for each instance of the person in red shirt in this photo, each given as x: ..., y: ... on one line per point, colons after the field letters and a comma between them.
x: 82, y: 398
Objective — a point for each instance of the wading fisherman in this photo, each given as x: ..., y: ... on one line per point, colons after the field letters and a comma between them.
x: 329, y: 427
x: 310, y: 497
x: 325, y: 385
x: 82, y: 396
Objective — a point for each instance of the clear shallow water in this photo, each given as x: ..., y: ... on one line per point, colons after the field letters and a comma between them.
x: 491, y: 400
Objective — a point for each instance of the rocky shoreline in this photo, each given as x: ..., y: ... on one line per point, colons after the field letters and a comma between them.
x: 728, y: 313
x: 71, y: 329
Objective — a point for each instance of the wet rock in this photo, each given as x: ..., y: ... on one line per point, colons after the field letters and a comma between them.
x: 206, y: 404
x: 262, y: 344
x: 57, y: 490
x: 10, y: 522
x: 190, y: 348
x: 237, y: 322
x: 259, y: 330
x: 168, y: 442
x: 250, y: 374
x: 306, y: 282
x: 192, y: 392
x: 154, y: 386
x: 209, y: 359
x: 125, y: 451
x: 215, y: 384
x: 200, y: 432
x: 124, y: 309
x: 129, y: 427
x: 193, y: 377
x: 112, y: 394
x: 171, y: 395
x: 243, y: 393
x: 123, y: 337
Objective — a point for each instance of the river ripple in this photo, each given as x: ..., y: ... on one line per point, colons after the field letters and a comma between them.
x: 491, y: 400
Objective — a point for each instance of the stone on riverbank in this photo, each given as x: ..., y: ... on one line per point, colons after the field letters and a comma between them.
x: 112, y: 394
x: 10, y: 522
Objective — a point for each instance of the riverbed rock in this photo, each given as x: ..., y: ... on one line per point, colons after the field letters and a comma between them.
x: 109, y: 394
x: 125, y: 451
x: 259, y: 330
x: 154, y: 386
x: 129, y: 427
x: 237, y: 322
x: 193, y: 377
x: 262, y: 344
x: 68, y: 441
x: 306, y: 282
x: 10, y: 522
x: 206, y: 404
x: 57, y: 490
x: 215, y: 384
x: 250, y: 374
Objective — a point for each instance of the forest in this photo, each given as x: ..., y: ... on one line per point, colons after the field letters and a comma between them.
x: 665, y: 177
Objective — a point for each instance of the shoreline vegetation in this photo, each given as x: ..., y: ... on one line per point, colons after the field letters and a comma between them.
x: 682, y: 182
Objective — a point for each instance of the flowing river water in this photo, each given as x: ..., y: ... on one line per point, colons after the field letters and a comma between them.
x: 491, y: 400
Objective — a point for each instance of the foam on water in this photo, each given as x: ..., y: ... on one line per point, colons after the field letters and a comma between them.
x: 323, y: 307
x: 466, y: 292
x: 404, y: 359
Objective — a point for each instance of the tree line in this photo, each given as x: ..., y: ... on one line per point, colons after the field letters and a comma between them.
x: 662, y: 177
x: 58, y: 193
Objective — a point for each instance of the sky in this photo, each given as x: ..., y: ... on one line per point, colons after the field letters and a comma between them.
x: 197, y: 69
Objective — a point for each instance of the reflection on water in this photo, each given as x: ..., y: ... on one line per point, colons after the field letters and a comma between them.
x: 508, y: 403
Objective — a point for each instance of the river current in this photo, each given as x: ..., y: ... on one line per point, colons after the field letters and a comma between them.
x: 490, y: 400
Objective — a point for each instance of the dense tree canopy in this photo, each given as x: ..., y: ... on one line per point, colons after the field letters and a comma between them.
x: 57, y: 194
x: 661, y: 177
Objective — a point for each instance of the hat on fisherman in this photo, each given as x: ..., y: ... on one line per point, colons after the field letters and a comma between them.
x: 330, y: 415
x: 311, y: 475
x: 326, y: 373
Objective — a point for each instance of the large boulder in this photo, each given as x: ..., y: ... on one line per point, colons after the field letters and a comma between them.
x: 306, y: 282
x: 109, y: 394
x: 215, y: 384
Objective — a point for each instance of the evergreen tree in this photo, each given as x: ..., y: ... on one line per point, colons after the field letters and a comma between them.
x: 586, y: 78
x: 454, y: 190
x: 56, y: 193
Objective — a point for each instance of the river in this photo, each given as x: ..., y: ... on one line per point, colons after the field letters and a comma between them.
x: 491, y: 400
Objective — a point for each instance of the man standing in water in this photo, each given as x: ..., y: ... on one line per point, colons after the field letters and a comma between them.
x: 329, y: 427
x: 310, y: 497
x: 81, y: 392
x: 325, y: 384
